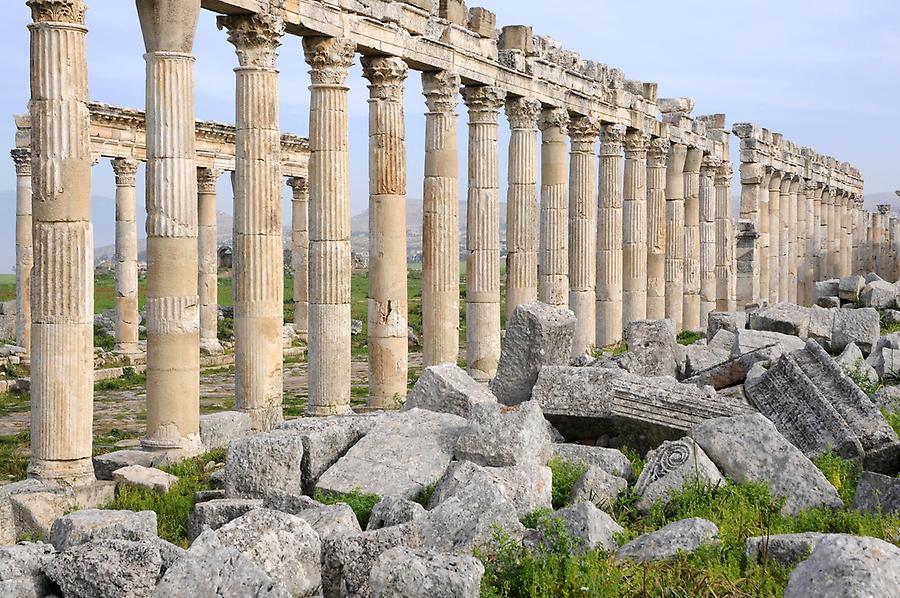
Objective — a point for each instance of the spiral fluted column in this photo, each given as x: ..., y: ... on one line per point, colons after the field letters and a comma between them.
x: 208, y: 256
x: 674, y: 264
x: 691, y: 309
x: 707, y: 238
x: 657, y: 158
x: 300, y: 253
x: 128, y: 320
x: 725, y: 241
x: 24, y: 248
x: 553, y: 243
x: 609, y: 237
x: 634, y: 227
x: 440, y: 221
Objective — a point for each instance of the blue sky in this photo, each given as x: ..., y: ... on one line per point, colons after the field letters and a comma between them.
x: 825, y: 73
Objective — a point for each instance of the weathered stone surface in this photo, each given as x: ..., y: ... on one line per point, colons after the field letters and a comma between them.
x: 347, y: 561
x: 392, y: 510
x: 217, y: 430
x: 861, y: 326
x: 782, y: 549
x: 829, y: 302
x: 731, y: 321
x: 670, y: 467
x: 208, y: 495
x: 877, y: 493
x: 145, y: 477
x: 818, y: 408
x: 106, y: 464
x: 786, y: 318
x: 447, y: 388
x: 499, y: 436
x: 888, y: 398
x: 527, y: 488
x: 652, y: 348
x: 747, y: 341
x: 851, y: 360
x: 21, y: 574
x: 262, y: 462
x: 84, y: 526
x: 284, y: 546
x: 35, y: 512
x: 612, y: 461
x: 598, y: 487
x: 325, y: 440
x: 401, y: 455
x: 701, y: 358
x: 107, y: 569
x: 879, y: 294
x: 537, y: 335
x: 216, y: 513
x: 590, y: 527
x: 842, y: 566
x: 828, y: 288
x: 849, y: 287
x: 681, y: 537
x: 327, y: 520
x: 403, y: 572
x: 882, y: 357
x: 633, y: 410
x: 750, y: 448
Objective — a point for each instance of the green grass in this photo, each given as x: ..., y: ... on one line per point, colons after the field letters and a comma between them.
x: 886, y: 327
x: 565, y: 474
x: 129, y: 379
x: 362, y: 504
x: 14, y: 402
x: 424, y: 496
x: 7, y: 287
x: 688, y: 337
x: 893, y: 419
x: 14, y: 456
x: 175, y: 506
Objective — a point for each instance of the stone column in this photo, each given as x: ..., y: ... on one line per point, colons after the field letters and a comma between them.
x: 553, y: 242
x: 173, y: 318
x: 846, y: 233
x: 128, y: 319
x: 675, y: 234
x: 895, y: 248
x: 764, y: 237
x: 609, y: 237
x: 784, y: 239
x: 258, y: 243
x: 805, y: 280
x: 691, y: 310
x: 483, y: 232
x: 884, y: 253
x: 825, y: 258
x: 62, y: 309
x: 724, y: 240
x: 815, y: 238
x: 634, y: 227
x: 747, y: 242
x: 583, y: 132
x: 775, y: 237
x: 708, y: 245
x: 859, y: 240
x: 793, y: 230
x: 208, y: 256
x: 657, y: 157
x: 300, y: 252
x: 388, y: 311
x: 329, y: 226
x: 440, y: 225
x: 521, y: 203
x: 24, y: 248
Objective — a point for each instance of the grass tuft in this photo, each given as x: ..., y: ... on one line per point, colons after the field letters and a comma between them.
x: 565, y: 474
x: 688, y: 337
x: 362, y: 504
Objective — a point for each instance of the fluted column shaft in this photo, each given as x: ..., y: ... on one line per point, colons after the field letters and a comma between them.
x: 805, y: 278
x: 775, y: 235
x: 24, y: 247
x: 553, y: 243
x: 329, y: 226
x: 846, y: 233
x: 440, y: 223
x: 826, y: 260
x: 634, y: 227
x: 63, y: 289
x: 208, y: 257
x: 707, y: 234
x: 300, y: 253
x: 748, y: 239
x: 793, y: 229
x: 483, y: 233
x: 724, y: 240
x: 675, y: 234
x: 877, y: 241
x: 859, y: 240
x: 609, y: 237
x: 765, y: 249
x: 388, y: 307
x: 521, y: 203
x: 815, y: 237
x: 895, y: 248
x: 128, y: 320
x: 784, y: 242
x: 657, y: 158
x: 691, y: 310
x: 583, y: 132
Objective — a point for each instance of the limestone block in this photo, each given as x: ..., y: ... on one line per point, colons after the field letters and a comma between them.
x: 843, y: 565
x: 145, y: 477
x: 483, y: 22
x: 21, y: 574
x: 402, y: 454
x: 652, y: 348
x: 782, y: 549
x: 107, y: 569
x: 849, y: 287
x: 499, y: 436
x: 681, y: 537
x: 860, y: 326
x: 672, y: 466
x: 746, y: 341
x: 829, y: 302
x: 700, y: 358
x: 263, y: 462
x: 8, y: 327
x: 447, y: 388
x: 537, y: 335
x: 786, y: 318
x: 8, y: 308
x: 876, y: 493
x: 666, y: 105
x: 216, y: 513
x: 526, y: 488
x: 597, y: 487
x: 590, y: 527
x: 879, y: 294
x: 425, y: 574
x: 421, y: 4
x: 347, y: 561
x: 454, y: 11
x: 218, y: 429
x: 393, y: 510
x: 750, y: 448
x: 105, y: 465
x: 828, y: 288
x: 331, y: 520
x: 88, y: 525
x: 517, y: 37
x: 852, y: 360
x: 725, y: 320
x: 612, y: 461
x: 35, y: 512
x: 8, y: 531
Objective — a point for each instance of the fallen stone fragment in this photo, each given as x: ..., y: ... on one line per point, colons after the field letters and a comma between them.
x: 527, y: 488
x: 500, y: 436
x: 537, y: 335
x: 106, y: 464
x: 747, y: 341
x: 590, y: 527
x: 149, y: 478
x: 888, y: 399
x: 827, y: 288
x: 107, y: 569
x: 401, y: 455
x: 8, y: 531
x: 392, y: 510
x: 80, y: 527
x: 785, y: 318
x: 216, y: 513
x: 852, y: 361
x: 829, y: 302
x: 597, y: 487
x: 732, y: 321
x: 21, y: 574
x: 652, y: 349
x: 217, y: 430
x: 35, y: 512
x: 447, y: 388
x: 612, y: 461
x: 701, y: 358
x: 409, y: 573
x: 847, y: 566
x: 672, y: 466
x: 782, y: 549
x: 861, y: 326
x: 681, y: 537
x: 262, y: 462
x: 849, y: 287
x: 879, y: 294
x: 748, y: 448
x: 877, y: 493
x: 347, y: 561
x: 327, y: 520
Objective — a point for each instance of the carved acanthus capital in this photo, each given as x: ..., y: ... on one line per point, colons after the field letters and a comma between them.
x: 637, y: 144
x: 125, y: 171
x: 22, y: 160
x: 708, y: 165
x: 584, y: 131
x: 440, y: 89
x: 300, y: 185
x: 255, y: 37
x: 523, y: 113
x: 484, y: 103
x: 57, y: 11
x: 554, y: 118
x: 612, y: 140
x: 658, y: 152
x: 329, y: 58
x: 207, y: 179
x: 386, y: 75
x: 724, y: 173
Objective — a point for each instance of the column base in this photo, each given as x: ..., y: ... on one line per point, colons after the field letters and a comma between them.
x: 327, y: 410
x: 77, y: 472
x: 265, y: 419
x: 211, y: 346
x: 175, y: 448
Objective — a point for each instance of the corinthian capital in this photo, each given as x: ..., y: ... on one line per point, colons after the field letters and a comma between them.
x: 709, y: 165
x: 523, y: 113
x: 329, y: 59
x: 22, y: 161
x: 255, y: 37
x: 637, y: 144
x: 584, y: 131
x: 207, y: 179
x: 57, y: 11
x: 484, y: 102
x: 724, y: 173
x: 440, y: 89
x: 125, y: 171
x: 612, y: 138
x: 658, y: 152
x: 386, y: 75
x: 300, y: 185
x: 554, y: 118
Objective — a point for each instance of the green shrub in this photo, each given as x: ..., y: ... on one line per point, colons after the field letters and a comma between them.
x: 362, y: 504
x: 861, y: 379
x: 688, y: 337
x: 424, y: 495
x: 103, y: 340
x: 842, y: 473
x: 565, y: 474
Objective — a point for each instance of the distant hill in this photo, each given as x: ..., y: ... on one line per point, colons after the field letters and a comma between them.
x: 224, y: 224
